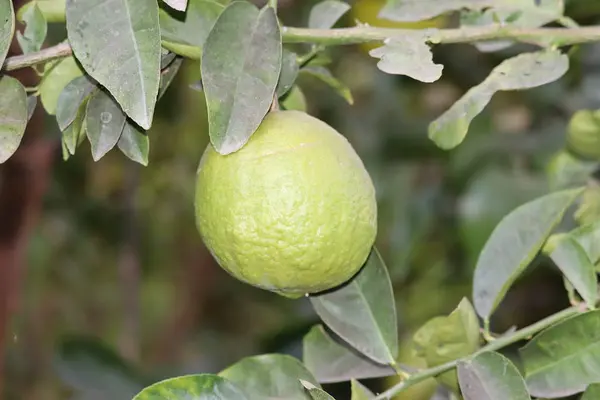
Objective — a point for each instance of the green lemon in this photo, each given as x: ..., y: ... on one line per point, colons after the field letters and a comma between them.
x: 583, y: 134
x: 293, y: 211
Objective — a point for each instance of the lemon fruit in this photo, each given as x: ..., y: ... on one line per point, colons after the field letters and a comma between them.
x: 293, y: 211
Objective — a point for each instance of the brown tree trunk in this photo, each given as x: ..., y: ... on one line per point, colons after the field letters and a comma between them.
x: 23, y: 180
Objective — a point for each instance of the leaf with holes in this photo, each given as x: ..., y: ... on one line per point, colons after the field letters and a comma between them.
x: 363, y: 311
x: 491, y: 376
x: 325, y: 14
x: 36, y: 28
x: 118, y: 44
x: 241, y: 62
x: 524, y: 71
x: 104, y: 122
x: 13, y: 116
x: 408, y: 55
x: 565, y: 358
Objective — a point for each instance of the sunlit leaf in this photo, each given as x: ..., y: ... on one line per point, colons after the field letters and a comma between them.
x: 363, y: 311
x: 241, y: 62
x: 56, y: 77
x: 325, y: 14
x: 331, y: 360
x: 408, y: 55
x: 134, y: 143
x: 359, y: 392
x: 192, y: 387
x: 186, y: 33
x: 104, y: 123
x: 270, y: 377
x: 571, y: 258
x: 36, y: 28
x: 53, y: 10
x: 118, y: 44
x: 7, y: 28
x: 289, y: 72
x: 513, y: 245
x: 179, y: 5
x: 325, y: 76
x: 444, y: 339
x: 491, y: 376
x: 13, y: 116
x: 524, y: 71
x: 565, y: 358
x: 71, y: 98
x: 315, y: 392
x: 592, y: 392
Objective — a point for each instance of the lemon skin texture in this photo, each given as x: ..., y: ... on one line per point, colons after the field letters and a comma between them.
x: 293, y: 211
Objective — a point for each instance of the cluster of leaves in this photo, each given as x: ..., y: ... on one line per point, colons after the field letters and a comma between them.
x: 123, y: 62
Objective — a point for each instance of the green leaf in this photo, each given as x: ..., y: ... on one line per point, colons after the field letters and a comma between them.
x: 73, y: 135
x: 7, y: 29
x: 359, y: 392
x: 408, y: 55
x: 270, y: 377
x: 294, y: 100
x: 565, y: 358
x: 592, y: 392
x: 56, y: 77
x: 134, y: 143
x: 192, y: 387
x: 118, y: 44
x: 91, y: 368
x: 325, y: 14
x: 13, y: 116
x: 491, y: 376
x: 168, y: 74
x: 565, y: 170
x: 325, y: 76
x: 31, y: 105
x: 571, y: 258
x: 363, y: 311
x: 588, y: 237
x: 444, y: 339
x: 36, y: 28
x: 524, y: 71
x: 289, y: 72
x: 418, y: 10
x: 315, y: 392
x: 186, y: 33
x: 512, y: 246
x: 71, y: 99
x: 241, y: 62
x: 179, y: 5
x: 331, y: 360
x: 588, y: 211
x: 104, y: 122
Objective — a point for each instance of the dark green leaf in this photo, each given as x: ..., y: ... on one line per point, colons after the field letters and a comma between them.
x: 418, y: 10
x: 104, y: 123
x: 118, y: 44
x: 74, y: 134
x: 444, y: 339
x: 270, y: 377
x: 315, y: 392
x: 408, y: 55
x: 565, y: 358
x: 491, y: 376
x: 92, y: 370
x: 167, y: 76
x: 571, y: 258
x: 325, y: 76
x: 513, y: 245
x: 289, y: 72
x: 7, y: 28
x: 56, y: 77
x: 241, y: 62
x: 179, y: 5
x: 363, y: 311
x: 325, y: 14
x: 134, y: 143
x: 13, y: 116
x: 186, y: 33
x: 524, y: 71
x: 36, y: 28
x: 192, y: 387
x: 332, y: 360
x: 71, y: 99
x: 592, y: 392
x: 359, y: 392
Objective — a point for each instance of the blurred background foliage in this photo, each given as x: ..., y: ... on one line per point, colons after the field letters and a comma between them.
x: 119, y: 291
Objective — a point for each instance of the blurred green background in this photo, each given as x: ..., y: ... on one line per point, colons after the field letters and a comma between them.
x: 119, y: 291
